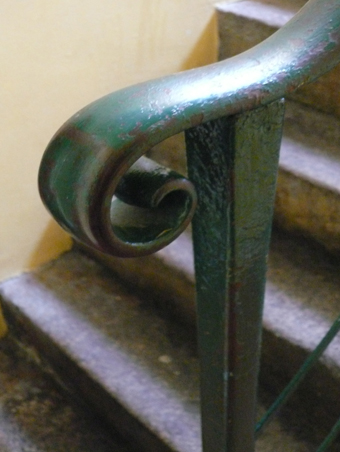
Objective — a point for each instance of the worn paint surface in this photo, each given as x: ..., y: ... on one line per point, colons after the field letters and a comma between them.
x: 236, y: 186
x: 58, y: 56
x: 90, y: 154
x: 233, y: 115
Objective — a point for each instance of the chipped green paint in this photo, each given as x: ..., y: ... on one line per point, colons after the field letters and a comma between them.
x: 89, y: 155
x: 97, y: 184
x: 236, y: 186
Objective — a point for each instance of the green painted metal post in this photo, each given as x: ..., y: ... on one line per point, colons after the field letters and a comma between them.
x: 233, y: 163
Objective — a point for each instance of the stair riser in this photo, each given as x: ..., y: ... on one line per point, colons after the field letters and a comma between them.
x: 281, y: 357
x: 303, y: 208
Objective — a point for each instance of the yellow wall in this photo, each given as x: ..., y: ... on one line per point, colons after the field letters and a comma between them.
x: 55, y: 57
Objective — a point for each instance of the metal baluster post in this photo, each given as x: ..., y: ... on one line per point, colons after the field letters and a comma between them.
x: 233, y: 164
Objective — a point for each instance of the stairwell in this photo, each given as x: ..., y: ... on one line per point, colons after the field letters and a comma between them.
x: 101, y: 352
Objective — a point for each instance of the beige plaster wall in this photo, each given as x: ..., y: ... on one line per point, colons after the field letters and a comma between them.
x: 55, y: 57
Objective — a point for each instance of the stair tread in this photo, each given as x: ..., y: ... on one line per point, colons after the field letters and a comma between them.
x: 302, y: 297
x: 116, y: 341
x: 310, y: 146
x: 301, y: 302
x: 35, y: 416
x: 126, y: 351
x: 302, y: 283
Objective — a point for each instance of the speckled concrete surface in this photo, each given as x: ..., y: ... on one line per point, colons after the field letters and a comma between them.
x: 129, y: 362
x: 118, y: 351
x: 302, y: 299
x: 37, y: 416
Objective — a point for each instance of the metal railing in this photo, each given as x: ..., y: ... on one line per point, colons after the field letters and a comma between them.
x: 97, y: 184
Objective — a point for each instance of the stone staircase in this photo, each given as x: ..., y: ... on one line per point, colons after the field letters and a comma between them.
x: 36, y: 415
x: 101, y: 352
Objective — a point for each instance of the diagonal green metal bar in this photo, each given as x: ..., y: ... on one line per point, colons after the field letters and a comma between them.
x: 300, y: 375
x: 233, y: 163
x: 331, y: 437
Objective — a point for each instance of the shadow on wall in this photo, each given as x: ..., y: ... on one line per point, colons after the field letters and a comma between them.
x: 52, y: 243
x: 3, y: 326
x: 54, y: 240
x: 206, y: 48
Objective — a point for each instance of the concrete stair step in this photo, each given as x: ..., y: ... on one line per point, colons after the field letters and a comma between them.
x: 36, y: 415
x: 302, y: 299
x: 307, y: 199
x: 244, y: 24
x: 125, y: 352
x: 109, y: 346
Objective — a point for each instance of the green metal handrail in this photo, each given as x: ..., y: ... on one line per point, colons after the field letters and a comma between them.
x: 97, y: 184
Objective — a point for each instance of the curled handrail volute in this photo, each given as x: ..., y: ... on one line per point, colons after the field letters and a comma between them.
x: 90, y: 156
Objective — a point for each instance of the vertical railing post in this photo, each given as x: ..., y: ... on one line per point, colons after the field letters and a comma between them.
x: 233, y: 164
